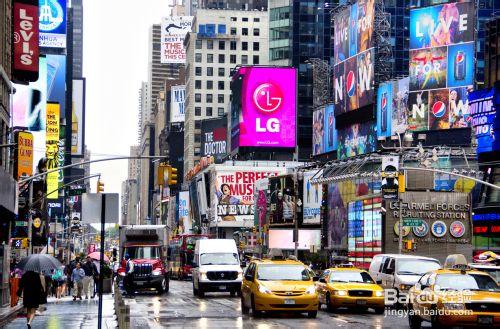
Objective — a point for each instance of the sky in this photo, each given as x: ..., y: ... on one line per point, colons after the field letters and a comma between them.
x: 115, y: 61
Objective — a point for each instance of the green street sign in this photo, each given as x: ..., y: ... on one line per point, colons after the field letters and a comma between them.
x: 412, y: 222
x: 75, y: 192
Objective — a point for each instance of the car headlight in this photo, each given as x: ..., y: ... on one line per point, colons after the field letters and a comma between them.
x: 240, y: 275
x: 340, y: 292
x: 453, y: 306
x: 156, y: 272
x: 405, y: 286
x: 379, y: 293
x: 121, y: 273
x: 311, y: 290
x: 264, y: 290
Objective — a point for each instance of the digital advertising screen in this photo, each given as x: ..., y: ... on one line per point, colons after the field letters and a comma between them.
x: 56, y: 81
x: 268, y: 113
x: 177, y: 99
x: 354, y: 56
x: 213, y: 138
x: 324, y: 131
x: 483, y: 112
x: 357, y: 139
x: 441, y: 66
x: 313, y: 196
x: 318, y: 131
x: 52, y: 23
x: 392, y: 107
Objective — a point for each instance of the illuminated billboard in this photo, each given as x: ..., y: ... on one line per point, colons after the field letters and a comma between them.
x: 324, y: 131
x: 52, y: 149
x: 78, y: 118
x: 313, y: 196
x: 177, y: 99
x: 441, y: 66
x: 56, y: 80
x: 283, y: 239
x: 213, y: 138
x: 354, y: 56
x: 484, y: 113
x: 52, y: 23
x: 392, y: 107
x: 267, y: 117
x: 357, y: 139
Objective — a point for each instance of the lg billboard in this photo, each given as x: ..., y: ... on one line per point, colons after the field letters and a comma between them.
x: 267, y: 115
x: 354, y: 56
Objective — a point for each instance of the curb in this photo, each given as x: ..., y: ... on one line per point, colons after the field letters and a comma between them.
x: 9, y: 314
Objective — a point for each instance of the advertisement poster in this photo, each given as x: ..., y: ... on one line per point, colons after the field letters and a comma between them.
x: 337, y: 217
x: 56, y: 80
x: 268, y: 115
x: 234, y: 194
x: 24, y: 157
x: 25, y: 42
x: 173, y: 32
x: 483, y: 113
x: 318, y: 131
x: 330, y: 140
x: 441, y: 66
x: 78, y: 118
x: 185, y: 224
x: 357, y: 139
x: 52, y: 23
x: 392, y: 107
x: 177, y: 99
x: 52, y: 149
x: 354, y: 55
x: 390, y: 173
x: 313, y: 195
x: 282, y: 200
x: 29, y: 102
x: 213, y: 138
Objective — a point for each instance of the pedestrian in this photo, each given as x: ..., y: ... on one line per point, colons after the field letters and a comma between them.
x: 88, y: 281
x: 30, y: 287
x: 96, y: 276
x: 77, y: 278
x: 58, y: 282
x: 128, y: 281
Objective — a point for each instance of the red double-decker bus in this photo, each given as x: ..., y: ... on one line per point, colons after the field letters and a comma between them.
x: 181, y: 254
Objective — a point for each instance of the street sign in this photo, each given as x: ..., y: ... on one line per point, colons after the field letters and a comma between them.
x: 412, y: 222
x: 76, y: 190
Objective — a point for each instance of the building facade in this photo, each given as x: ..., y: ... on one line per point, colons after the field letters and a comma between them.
x: 220, y: 41
x: 77, y: 6
x: 492, y: 52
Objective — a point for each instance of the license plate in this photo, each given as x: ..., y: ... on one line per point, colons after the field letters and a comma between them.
x: 222, y: 287
x: 485, y: 319
x: 139, y: 283
x: 361, y: 302
x: 289, y: 301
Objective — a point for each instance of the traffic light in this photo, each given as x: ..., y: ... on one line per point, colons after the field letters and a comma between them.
x: 172, y: 175
x: 100, y: 186
x: 162, y: 171
x: 24, y: 243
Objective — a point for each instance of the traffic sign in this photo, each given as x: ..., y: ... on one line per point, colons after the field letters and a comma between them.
x: 412, y: 222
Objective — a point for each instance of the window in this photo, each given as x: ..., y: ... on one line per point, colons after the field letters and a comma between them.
x: 209, y: 98
x: 197, y: 138
x: 244, y: 19
x: 221, y: 29
x: 210, y: 58
x: 197, y: 111
x: 210, y: 84
x: 256, y: 59
x: 232, y: 59
x: 256, y: 32
x: 220, y: 111
x: 197, y: 98
x: 244, y: 59
x: 197, y: 84
x: 244, y: 45
x: 256, y: 19
x: 232, y: 45
x: 244, y: 31
x: 220, y: 99
x: 222, y: 58
x: 220, y: 85
x: 256, y: 46
x: 197, y: 124
x: 222, y: 45
x: 222, y: 72
x: 197, y: 58
x: 234, y: 19
x: 197, y: 71
x: 196, y: 151
x: 199, y: 44
x: 210, y: 44
x: 210, y: 71
x: 209, y: 112
x: 234, y: 31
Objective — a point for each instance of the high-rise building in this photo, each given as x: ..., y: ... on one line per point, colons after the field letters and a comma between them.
x: 492, y: 52
x: 400, y: 35
x: 193, y: 5
x: 77, y: 6
x: 220, y: 41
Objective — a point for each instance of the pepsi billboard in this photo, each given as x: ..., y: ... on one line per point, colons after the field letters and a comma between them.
x: 441, y: 66
x: 392, y: 107
x: 354, y: 55
x: 324, y: 131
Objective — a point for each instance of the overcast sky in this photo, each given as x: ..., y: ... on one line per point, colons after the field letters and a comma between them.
x: 115, y: 61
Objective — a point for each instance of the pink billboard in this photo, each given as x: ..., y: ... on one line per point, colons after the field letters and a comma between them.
x: 268, y: 101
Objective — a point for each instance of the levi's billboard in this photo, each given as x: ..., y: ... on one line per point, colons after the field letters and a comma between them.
x: 268, y: 107
x: 25, y: 41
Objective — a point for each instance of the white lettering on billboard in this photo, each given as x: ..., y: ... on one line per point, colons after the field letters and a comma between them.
x: 177, y: 110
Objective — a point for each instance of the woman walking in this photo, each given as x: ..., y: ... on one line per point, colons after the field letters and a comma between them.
x: 30, y: 287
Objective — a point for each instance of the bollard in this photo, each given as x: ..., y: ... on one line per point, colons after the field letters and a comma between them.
x: 126, y: 317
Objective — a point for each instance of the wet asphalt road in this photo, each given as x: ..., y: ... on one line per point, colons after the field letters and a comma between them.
x: 180, y: 309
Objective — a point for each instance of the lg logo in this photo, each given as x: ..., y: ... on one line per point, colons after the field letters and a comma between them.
x: 268, y: 97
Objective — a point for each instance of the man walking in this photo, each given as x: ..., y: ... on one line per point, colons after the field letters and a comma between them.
x: 128, y: 281
x: 88, y: 281
x: 77, y: 278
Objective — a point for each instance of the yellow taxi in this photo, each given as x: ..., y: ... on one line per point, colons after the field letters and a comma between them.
x: 457, y: 296
x: 347, y: 286
x: 278, y: 285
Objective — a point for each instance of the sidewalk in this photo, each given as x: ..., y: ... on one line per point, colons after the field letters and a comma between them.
x: 65, y: 313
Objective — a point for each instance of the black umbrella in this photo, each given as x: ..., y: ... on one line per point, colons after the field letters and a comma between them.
x: 39, y: 263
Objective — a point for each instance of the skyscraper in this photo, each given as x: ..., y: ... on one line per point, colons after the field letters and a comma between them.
x: 77, y: 6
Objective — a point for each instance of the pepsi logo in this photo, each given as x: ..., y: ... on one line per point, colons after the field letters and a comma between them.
x: 438, y: 109
x: 460, y: 57
x: 383, y: 102
x: 267, y: 97
x: 350, y: 84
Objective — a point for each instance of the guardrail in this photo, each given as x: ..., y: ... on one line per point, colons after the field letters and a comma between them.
x: 122, y: 310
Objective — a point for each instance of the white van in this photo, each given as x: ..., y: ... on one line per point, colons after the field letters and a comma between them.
x: 400, y: 272
x: 216, y: 267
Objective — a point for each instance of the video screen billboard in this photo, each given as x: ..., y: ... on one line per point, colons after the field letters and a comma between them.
x: 173, y: 31
x: 392, y: 107
x: 324, y: 131
x: 484, y: 113
x: 177, y: 99
x: 52, y: 149
x: 441, y: 66
x: 184, y: 219
x: 214, y: 138
x: 354, y: 56
x: 56, y: 81
x: 313, y: 196
x: 78, y: 118
x: 52, y: 23
x: 357, y: 139
x: 268, y: 108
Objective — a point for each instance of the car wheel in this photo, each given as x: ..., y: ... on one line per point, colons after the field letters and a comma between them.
x: 162, y: 287
x: 329, y: 305
x: 233, y: 293
x: 244, y: 309
x: 379, y: 310
x: 255, y: 313
x: 195, y: 291
x: 413, y: 320
x: 201, y: 293
x: 312, y: 314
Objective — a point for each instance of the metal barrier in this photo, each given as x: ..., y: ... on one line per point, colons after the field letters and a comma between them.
x: 122, y: 310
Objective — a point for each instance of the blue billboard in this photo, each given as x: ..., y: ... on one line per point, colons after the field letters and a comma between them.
x: 56, y: 80
x: 461, y: 65
x: 330, y: 136
x: 392, y: 107
x: 484, y: 113
x: 384, y: 109
x: 52, y: 23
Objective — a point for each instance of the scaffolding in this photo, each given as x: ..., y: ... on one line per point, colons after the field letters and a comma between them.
x: 382, y: 38
x: 322, y: 89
